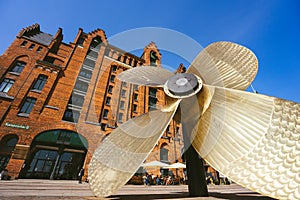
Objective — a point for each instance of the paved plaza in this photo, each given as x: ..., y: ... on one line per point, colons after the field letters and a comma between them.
x: 25, y: 189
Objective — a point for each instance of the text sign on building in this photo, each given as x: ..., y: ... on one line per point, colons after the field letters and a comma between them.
x: 17, y: 126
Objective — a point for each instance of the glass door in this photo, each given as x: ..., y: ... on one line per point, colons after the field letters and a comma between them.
x: 42, y: 164
x: 69, y: 165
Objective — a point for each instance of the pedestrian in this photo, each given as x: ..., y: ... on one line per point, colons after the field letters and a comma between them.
x: 4, y: 174
x: 157, y: 180
x: 145, y: 179
x: 80, y: 175
x: 149, y: 179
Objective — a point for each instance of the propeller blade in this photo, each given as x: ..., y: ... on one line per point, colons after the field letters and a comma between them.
x: 146, y: 75
x: 225, y: 64
x: 192, y: 108
x: 254, y: 140
x: 122, y: 152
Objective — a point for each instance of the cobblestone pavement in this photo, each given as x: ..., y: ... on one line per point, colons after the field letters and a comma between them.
x: 25, y: 189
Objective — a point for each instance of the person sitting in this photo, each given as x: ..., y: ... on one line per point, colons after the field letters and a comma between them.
x: 169, y: 181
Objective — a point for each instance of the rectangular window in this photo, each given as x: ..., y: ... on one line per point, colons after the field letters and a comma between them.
x: 71, y: 115
x: 129, y: 61
x: 119, y: 57
x: 40, y: 82
x: 124, y: 84
x: 80, y: 42
x: 82, y: 86
x: 23, y: 43
x: 6, y: 85
x: 112, y: 78
x: 110, y: 89
x: 135, y: 97
x: 164, y: 154
x: 107, y: 102
x: 124, y: 59
x: 152, y: 92
x: 136, y: 87
x: 28, y: 105
x: 105, y: 114
x: 123, y: 93
x: 122, y: 105
x: 31, y: 46
x: 134, y: 108
x: 18, y: 67
x: 152, y: 98
x: 103, y: 126
x: 114, y: 68
x: 120, y: 117
x: 152, y: 103
x: 85, y: 73
x: 76, y: 100
x: 89, y: 63
x: 93, y: 55
x: 39, y: 49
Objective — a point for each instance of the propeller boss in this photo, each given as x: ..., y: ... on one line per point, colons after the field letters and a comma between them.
x: 182, y: 85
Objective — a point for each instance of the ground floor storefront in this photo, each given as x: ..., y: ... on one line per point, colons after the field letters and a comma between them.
x: 53, y: 154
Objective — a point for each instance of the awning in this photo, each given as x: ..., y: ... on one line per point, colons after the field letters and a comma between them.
x: 155, y: 164
x: 177, y: 165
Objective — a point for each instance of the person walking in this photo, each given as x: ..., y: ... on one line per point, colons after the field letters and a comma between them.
x: 80, y: 175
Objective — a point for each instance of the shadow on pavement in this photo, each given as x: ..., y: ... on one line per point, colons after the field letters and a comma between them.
x: 185, y: 195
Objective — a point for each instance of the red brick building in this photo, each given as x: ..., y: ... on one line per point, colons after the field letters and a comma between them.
x: 58, y: 101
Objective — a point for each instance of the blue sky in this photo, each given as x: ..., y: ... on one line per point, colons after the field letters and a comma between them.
x: 270, y: 28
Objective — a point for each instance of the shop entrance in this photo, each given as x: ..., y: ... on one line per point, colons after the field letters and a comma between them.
x: 57, y: 154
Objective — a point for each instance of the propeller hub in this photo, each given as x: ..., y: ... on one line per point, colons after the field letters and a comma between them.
x: 182, y: 85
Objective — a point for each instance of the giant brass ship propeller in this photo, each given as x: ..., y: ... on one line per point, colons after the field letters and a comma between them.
x: 251, y: 138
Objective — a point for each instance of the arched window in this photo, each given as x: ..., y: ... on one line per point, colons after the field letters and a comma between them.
x: 12, y: 142
x: 153, y: 58
x: 55, y: 154
x: 7, y: 145
x: 164, y: 153
x: 96, y: 43
x: 18, y: 67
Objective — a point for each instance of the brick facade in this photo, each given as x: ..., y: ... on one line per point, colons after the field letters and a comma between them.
x: 81, y: 77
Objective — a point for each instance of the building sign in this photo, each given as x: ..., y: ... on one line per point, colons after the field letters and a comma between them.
x: 17, y: 126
